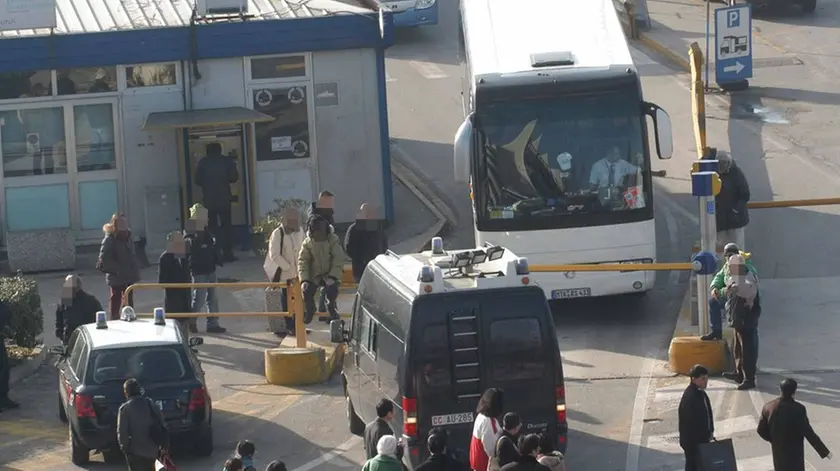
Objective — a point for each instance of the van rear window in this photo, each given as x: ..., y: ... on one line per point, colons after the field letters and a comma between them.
x: 436, y: 373
x: 517, y: 349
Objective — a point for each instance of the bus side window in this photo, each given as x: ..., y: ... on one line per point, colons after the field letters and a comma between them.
x: 373, y: 334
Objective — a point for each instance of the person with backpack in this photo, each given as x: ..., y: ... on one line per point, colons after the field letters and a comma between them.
x: 245, y: 452
x: 506, y: 449
x: 282, y: 259
x: 141, y: 429
x: 743, y: 309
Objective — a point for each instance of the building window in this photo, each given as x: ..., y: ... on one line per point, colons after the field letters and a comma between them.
x: 97, y: 203
x: 94, y: 130
x: 151, y: 75
x: 86, y: 80
x: 278, y: 67
x: 30, y: 84
x: 33, y: 142
x: 287, y: 137
x: 39, y: 207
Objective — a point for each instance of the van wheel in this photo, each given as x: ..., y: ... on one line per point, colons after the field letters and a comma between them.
x: 113, y: 456
x: 62, y: 414
x: 808, y: 6
x: 357, y: 427
x: 79, y: 455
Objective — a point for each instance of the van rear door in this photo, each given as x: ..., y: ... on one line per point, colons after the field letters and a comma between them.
x: 519, y: 353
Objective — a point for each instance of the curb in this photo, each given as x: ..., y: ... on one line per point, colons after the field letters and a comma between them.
x: 28, y: 367
x: 665, y: 51
x: 333, y: 363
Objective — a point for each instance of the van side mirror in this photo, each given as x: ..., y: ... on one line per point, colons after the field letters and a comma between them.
x: 196, y: 341
x: 337, y: 332
x: 662, y: 130
x: 463, y: 150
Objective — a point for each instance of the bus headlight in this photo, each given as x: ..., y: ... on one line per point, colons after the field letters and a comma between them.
x: 421, y: 4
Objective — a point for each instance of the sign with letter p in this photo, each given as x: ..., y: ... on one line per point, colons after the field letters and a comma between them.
x: 733, y: 19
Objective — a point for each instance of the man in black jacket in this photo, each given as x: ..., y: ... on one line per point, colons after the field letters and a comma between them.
x: 696, y: 421
x: 529, y: 448
x: 440, y: 459
x: 174, y: 267
x: 204, y: 257
x: 784, y: 423
x: 380, y: 427
x: 5, y: 364
x: 506, y: 450
x: 214, y: 174
x: 141, y: 428
x: 77, y: 307
x: 365, y: 239
x: 731, y: 214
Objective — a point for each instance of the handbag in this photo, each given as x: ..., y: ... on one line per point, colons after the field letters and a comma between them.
x: 717, y: 456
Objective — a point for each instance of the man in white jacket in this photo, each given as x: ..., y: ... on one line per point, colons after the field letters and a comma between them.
x: 283, y: 249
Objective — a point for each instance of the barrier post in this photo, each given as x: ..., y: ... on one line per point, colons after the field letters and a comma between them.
x: 705, y: 185
x: 300, y: 327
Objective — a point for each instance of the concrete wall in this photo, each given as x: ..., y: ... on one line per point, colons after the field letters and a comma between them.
x: 349, y: 157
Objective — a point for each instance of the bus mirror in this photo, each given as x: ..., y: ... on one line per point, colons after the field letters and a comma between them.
x: 662, y: 129
x: 463, y: 150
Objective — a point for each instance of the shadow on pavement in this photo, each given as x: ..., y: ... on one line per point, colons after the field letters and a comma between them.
x: 795, y: 94
x: 591, y: 452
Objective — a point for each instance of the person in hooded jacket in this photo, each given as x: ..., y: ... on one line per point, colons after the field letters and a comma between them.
x: 440, y: 459
x: 118, y: 263
x: 549, y: 457
x: 283, y: 248
x: 320, y: 264
x: 386, y: 457
x: 731, y: 213
x: 529, y: 449
x: 174, y: 267
x: 77, y: 307
x: 365, y: 239
x: 325, y: 208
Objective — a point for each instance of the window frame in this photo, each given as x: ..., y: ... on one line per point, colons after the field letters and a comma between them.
x: 82, y: 96
x: 75, y: 364
x: 41, y: 99
x: 307, y: 67
x: 370, y: 335
x: 122, y: 80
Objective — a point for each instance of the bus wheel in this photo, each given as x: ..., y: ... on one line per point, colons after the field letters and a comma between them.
x: 357, y: 427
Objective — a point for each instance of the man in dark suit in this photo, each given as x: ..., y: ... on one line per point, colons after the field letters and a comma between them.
x: 784, y: 423
x: 696, y: 421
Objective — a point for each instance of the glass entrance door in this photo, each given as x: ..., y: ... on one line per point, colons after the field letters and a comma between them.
x: 231, y: 141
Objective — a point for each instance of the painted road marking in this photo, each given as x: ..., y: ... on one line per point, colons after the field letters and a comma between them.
x: 634, y: 442
x: 756, y: 463
x: 326, y: 457
x: 428, y: 70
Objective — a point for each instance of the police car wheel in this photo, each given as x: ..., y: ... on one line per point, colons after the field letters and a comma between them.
x: 79, y: 455
x: 62, y: 414
x: 203, y: 445
x: 357, y: 427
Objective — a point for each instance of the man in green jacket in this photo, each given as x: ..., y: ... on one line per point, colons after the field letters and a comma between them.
x: 320, y: 264
x: 717, y: 300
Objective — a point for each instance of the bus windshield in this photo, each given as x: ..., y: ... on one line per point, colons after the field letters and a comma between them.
x: 549, y: 159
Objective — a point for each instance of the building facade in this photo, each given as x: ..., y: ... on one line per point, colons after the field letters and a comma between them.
x: 111, y: 112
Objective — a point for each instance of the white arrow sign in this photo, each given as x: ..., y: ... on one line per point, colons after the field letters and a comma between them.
x: 737, y: 68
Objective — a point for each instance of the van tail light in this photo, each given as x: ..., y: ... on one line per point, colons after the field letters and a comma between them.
x: 198, y: 399
x: 560, y: 399
x: 409, y: 406
x: 83, y: 405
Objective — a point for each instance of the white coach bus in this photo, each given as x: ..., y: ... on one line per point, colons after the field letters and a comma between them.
x: 555, y: 141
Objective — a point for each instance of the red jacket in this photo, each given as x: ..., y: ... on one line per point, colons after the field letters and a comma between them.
x: 486, y: 432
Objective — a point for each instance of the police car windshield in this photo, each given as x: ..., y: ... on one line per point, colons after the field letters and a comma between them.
x: 146, y: 364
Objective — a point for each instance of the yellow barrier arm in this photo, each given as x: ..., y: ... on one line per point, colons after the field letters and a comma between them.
x: 613, y: 267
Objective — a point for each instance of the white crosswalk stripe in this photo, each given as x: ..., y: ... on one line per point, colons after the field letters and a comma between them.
x: 757, y: 463
x: 428, y: 70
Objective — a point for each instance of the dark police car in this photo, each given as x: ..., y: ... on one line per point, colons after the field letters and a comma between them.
x: 100, y: 357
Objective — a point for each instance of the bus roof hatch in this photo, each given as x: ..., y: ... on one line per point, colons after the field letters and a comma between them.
x: 552, y: 59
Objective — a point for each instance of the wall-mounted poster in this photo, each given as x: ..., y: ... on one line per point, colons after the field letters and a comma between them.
x: 287, y: 137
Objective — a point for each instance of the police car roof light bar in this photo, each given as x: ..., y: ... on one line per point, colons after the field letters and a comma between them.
x: 101, y: 320
x: 426, y: 275
x: 437, y: 245
x: 159, y: 316
x: 522, y: 266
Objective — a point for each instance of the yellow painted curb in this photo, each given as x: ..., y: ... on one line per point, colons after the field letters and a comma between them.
x: 286, y: 366
x: 334, y: 362
x: 686, y: 352
x: 672, y: 56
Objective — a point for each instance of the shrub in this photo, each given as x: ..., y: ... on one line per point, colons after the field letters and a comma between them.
x: 27, y: 321
x: 264, y: 227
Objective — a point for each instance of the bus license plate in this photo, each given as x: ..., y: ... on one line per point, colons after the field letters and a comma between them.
x: 571, y: 293
x: 452, y: 419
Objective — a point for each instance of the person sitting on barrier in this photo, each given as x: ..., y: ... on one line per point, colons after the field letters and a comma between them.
x: 731, y: 214
x: 320, y: 263
x: 743, y: 308
x: 174, y: 267
x: 77, y: 307
x: 282, y: 257
x: 204, y: 256
x: 717, y: 300
x: 365, y: 240
x: 324, y: 207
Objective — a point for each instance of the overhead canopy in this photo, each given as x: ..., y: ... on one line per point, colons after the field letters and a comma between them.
x: 195, y: 118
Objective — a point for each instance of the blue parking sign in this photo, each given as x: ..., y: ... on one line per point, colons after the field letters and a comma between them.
x: 733, y: 43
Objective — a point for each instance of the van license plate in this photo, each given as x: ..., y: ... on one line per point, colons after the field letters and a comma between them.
x: 452, y: 419
x: 571, y: 293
